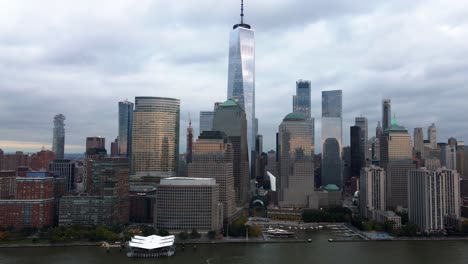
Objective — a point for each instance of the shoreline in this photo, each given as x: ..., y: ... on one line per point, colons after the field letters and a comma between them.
x: 233, y: 241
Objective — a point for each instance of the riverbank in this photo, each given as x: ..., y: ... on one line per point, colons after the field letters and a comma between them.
x: 29, y: 245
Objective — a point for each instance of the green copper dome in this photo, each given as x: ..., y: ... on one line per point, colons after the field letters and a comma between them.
x: 294, y: 116
x: 229, y: 103
x: 331, y: 187
x: 395, y: 127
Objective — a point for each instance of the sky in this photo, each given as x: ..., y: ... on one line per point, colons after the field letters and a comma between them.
x: 80, y: 58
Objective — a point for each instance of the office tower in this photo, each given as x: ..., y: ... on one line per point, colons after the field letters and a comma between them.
x: 375, y: 149
x: 241, y: 75
x: 184, y: 203
x: 155, y: 139
x: 296, y: 165
x: 95, y: 142
x: 301, y: 101
x: 213, y: 157
x: 259, y: 144
x: 230, y: 119
x: 372, y: 192
x: 433, y: 198
x: 332, y: 137
x: 142, y: 199
x: 362, y: 123
x: 115, y: 148
x: 449, y: 154
x: 432, y: 136
x: 386, y: 113
x: 125, y: 128
x: 107, y: 201
x: 64, y: 169
x: 356, y: 151
x: 206, y: 121
x: 432, y: 163
x: 58, y: 140
x: 418, y: 142
x: 378, y: 130
x: 189, y: 145
x: 396, y: 159
x: 462, y: 162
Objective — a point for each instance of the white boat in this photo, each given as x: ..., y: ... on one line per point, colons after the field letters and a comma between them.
x: 276, y: 232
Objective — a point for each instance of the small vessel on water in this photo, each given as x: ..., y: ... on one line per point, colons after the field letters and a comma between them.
x: 151, y: 246
x: 276, y: 232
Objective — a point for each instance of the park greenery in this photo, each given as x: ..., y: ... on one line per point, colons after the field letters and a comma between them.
x: 239, y: 228
x: 333, y: 214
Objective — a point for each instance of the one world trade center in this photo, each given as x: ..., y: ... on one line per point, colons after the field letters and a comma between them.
x: 241, y: 75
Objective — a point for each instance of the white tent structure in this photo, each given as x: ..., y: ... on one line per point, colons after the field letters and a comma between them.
x: 151, y: 246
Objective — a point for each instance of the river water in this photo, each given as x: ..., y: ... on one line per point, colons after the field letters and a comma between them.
x: 318, y: 251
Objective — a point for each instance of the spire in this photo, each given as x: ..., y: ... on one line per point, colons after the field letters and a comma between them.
x: 242, y: 12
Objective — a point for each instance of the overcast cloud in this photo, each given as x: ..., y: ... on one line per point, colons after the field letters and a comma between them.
x: 80, y: 58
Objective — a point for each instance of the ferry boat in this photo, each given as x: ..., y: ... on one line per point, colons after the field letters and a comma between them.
x: 276, y: 232
x: 151, y: 246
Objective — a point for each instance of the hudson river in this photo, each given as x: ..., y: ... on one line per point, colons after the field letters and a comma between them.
x: 318, y: 251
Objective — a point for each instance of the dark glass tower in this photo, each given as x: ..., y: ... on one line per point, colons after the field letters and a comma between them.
x: 125, y: 128
x: 301, y: 101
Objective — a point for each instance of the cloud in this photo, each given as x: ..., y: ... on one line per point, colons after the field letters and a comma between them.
x: 81, y: 58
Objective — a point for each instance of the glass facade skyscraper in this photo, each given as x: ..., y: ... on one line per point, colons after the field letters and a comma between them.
x: 155, y: 140
x: 332, y: 137
x: 206, y: 121
x: 125, y: 128
x: 301, y: 101
x: 296, y: 167
x: 58, y: 138
x: 241, y: 75
x: 386, y: 113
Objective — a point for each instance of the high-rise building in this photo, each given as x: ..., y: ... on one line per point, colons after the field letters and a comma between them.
x: 372, y: 190
x: 115, y: 148
x: 378, y: 130
x: 462, y: 159
x: 386, y: 113
x: 396, y: 159
x: 41, y: 160
x: 184, y: 203
x: 356, y: 154
x: 432, y: 136
x: 14, y: 161
x: 301, y: 101
x: 64, y: 169
x: 241, y: 75
x: 332, y: 137
x: 125, y: 128
x: 189, y: 145
x: 95, y: 142
x: 434, y: 198
x: 230, y: 119
x: 155, y: 139
x: 58, y: 140
x: 206, y: 121
x: 418, y: 142
x: 296, y: 165
x: 362, y: 123
x: 213, y: 157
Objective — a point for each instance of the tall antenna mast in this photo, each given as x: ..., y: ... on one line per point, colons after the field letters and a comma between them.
x: 242, y: 11
x: 190, y: 119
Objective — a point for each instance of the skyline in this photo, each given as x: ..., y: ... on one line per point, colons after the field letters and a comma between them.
x: 347, y: 47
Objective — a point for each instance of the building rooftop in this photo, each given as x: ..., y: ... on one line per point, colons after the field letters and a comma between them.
x: 229, y: 103
x: 294, y: 116
x: 187, y: 181
x: 395, y: 127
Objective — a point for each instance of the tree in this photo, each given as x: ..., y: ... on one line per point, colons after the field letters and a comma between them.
x: 163, y: 232
x: 148, y: 230
x: 388, y: 226
x: 183, y: 235
x: 194, y: 234
x: 464, y: 227
x: 255, y: 231
x: 212, y: 234
x: 237, y: 228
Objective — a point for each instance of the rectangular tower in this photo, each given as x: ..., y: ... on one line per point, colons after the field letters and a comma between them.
x: 125, y: 128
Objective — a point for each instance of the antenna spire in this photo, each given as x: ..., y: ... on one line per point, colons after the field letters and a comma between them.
x: 242, y: 11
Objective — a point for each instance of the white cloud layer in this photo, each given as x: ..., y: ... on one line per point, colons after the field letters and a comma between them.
x: 80, y: 58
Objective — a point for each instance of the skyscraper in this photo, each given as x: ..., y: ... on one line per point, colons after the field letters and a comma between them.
x: 362, y: 123
x: 206, y: 121
x: 418, y: 141
x: 332, y: 134
x: 125, y: 128
x: 241, y: 75
x: 230, y: 119
x: 95, y: 142
x: 213, y: 157
x: 372, y: 190
x: 155, y: 139
x: 58, y: 140
x: 301, y: 101
x: 432, y: 136
x: 296, y: 166
x: 378, y: 130
x: 386, y: 113
x: 396, y: 159
x: 356, y: 151
x: 188, y: 152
